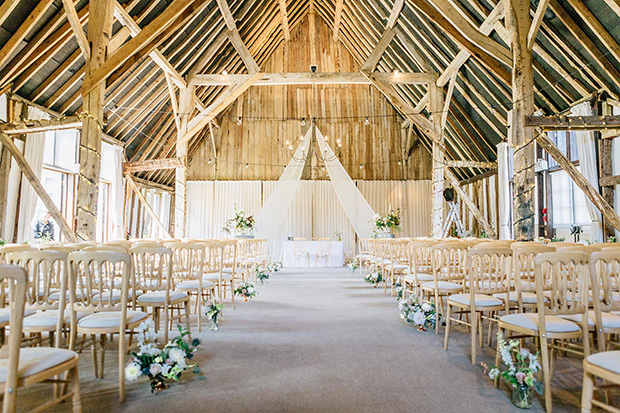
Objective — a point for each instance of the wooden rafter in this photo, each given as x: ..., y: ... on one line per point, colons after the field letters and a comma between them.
x: 235, y: 37
x: 152, y: 165
x: 309, y: 78
x: 76, y: 25
x: 573, y: 122
x: 338, y: 19
x: 41, y: 125
x: 286, y: 30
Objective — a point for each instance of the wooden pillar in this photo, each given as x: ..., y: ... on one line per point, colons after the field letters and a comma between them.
x: 186, y: 107
x: 5, y: 169
x: 99, y: 33
x: 522, y: 138
x: 605, y: 163
x: 435, y: 105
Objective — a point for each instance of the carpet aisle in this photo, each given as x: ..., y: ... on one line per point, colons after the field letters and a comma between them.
x: 320, y: 341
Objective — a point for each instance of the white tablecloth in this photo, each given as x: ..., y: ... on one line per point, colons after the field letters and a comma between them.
x: 288, y: 255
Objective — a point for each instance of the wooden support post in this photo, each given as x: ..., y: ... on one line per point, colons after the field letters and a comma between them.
x: 522, y: 138
x: 435, y: 103
x: 8, y: 143
x: 605, y: 167
x: 186, y: 105
x: 99, y: 32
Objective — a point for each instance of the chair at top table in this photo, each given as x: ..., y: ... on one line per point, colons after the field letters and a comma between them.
x: 300, y: 248
x: 325, y: 250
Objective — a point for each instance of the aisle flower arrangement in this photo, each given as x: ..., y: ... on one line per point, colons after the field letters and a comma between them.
x: 399, y: 289
x: 161, y: 364
x: 246, y: 291
x: 239, y: 222
x: 374, y: 277
x: 262, y: 272
x: 417, y: 313
x: 213, y: 311
x: 521, y: 365
x: 352, y: 266
x: 275, y: 267
x: 387, y: 223
x: 338, y: 235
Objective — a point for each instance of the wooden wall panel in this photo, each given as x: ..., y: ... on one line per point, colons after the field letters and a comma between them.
x: 271, y: 116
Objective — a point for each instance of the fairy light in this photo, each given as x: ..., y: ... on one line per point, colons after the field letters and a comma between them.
x: 247, y: 166
x: 239, y: 121
x: 396, y: 71
x: 224, y: 72
x: 361, y: 166
x: 301, y: 138
x: 366, y: 121
x: 303, y: 121
x: 288, y: 143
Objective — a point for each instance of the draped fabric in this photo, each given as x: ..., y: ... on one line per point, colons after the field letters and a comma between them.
x: 269, y: 219
x: 315, y: 210
x: 33, y: 152
x: 354, y: 204
x: 112, y: 170
x: 586, y: 148
x: 504, y: 155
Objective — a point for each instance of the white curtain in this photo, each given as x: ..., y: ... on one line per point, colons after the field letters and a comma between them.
x: 586, y: 148
x: 504, y: 162
x: 117, y: 195
x: 33, y: 152
x: 200, y: 209
x: 354, y: 204
x: 164, y: 215
x: 269, y: 219
x: 11, y: 196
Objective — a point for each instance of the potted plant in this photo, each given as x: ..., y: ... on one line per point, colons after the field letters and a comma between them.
x: 521, y: 366
x: 240, y: 224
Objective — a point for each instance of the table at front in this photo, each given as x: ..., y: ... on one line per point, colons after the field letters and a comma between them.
x: 288, y: 255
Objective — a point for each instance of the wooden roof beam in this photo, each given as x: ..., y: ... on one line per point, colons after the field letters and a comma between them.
x: 286, y: 30
x: 536, y: 22
x: 309, y: 78
x: 42, y: 125
x: 593, y: 123
x: 76, y: 26
x: 152, y: 165
x: 235, y: 37
x: 338, y: 19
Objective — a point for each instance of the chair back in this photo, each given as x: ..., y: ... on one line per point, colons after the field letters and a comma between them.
x: 489, y: 269
x: 583, y: 248
x: 325, y: 245
x: 605, y: 278
x: 8, y: 249
x: 93, y: 281
x: 214, y: 253
x: 17, y: 281
x: 523, y: 264
x: 562, y: 283
x: 230, y: 254
x: 299, y: 244
x: 152, y: 268
x: 187, y: 260
x: 420, y: 256
x: 363, y: 245
x: 449, y: 260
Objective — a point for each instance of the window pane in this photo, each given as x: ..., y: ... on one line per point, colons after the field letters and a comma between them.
x: 66, y: 142
x: 561, y: 198
x: 48, y: 153
x: 574, y: 153
x: 554, y: 137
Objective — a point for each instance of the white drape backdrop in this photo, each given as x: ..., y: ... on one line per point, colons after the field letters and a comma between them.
x: 586, y: 147
x: 11, y: 198
x: 33, y: 152
x: 315, y: 210
x: 504, y: 163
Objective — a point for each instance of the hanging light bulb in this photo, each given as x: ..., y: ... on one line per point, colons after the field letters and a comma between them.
x: 366, y: 121
x: 361, y: 166
x: 493, y: 110
x: 303, y: 121
x: 224, y: 72
x: 396, y: 71
x: 247, y: 165
x: 239, y: 121
x: 326, y: 138
x: 339, y: 145
x: 399, y: 162
x: 301, y: 138
x: 288, y: 143
x: 210, y: 161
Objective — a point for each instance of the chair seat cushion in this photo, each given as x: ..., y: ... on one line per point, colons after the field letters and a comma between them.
x: 609, y: 320
x: 56, y: 296
x: 48, y: 319
x: 215, y: 276
x: 363, y: 256
x: 421, y: 277
x: 608, y: 360
x: 193, y: 285
x: 34, y: 360
x: 159, y: 297
x: 481, y: 300
x: 400, y: 266
x: 228, y: 270
x: 530, y: 321
x: 443, y: 285
x: 105, y: 296
x: 527, y: 298
x: 5, y: 315
x: 110, y: 319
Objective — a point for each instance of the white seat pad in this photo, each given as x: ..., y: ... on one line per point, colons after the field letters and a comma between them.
x: 110, y: 319
x: 608, y: 360
x: 56, y: 296
x: 482, y: 300
x: 215, y: 276
x: 193, y: 285
x: 160, y: 296
x: 609, y: 320
x: 33, y: 360
x: 49, y: 319
x: 228, y: 270
x: 5, y: 315
x: 443, y: 285
x: 421, y: 277
x: 105, y: 296
x: 527, y: 298
x: 400, y: 266
x: 530, y: 320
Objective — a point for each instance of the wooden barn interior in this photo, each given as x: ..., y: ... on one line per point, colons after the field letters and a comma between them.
x: 457, y: 155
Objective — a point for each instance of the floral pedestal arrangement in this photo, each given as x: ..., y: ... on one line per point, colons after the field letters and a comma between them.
x: 240, y: 225
x: 385, y: 226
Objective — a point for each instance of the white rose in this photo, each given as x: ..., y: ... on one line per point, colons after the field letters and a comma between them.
x: 177, y: 355
x: 426, y: 307
x: 132, y: 372
x: 419, y: 318
x: 155, y: 369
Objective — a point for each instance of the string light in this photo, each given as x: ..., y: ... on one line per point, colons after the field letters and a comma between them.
x: 239, y: 121
x: 303, y: 121
x: 210, y: 161
x: 301, y: 138
x: 361, y: 166
x: 366, y: 121
x: 247, y: 165
x: 288, y: 143
x: 399, y: 162
x: 396, y: 71
x: 326, y: 138
x: 224, y: 72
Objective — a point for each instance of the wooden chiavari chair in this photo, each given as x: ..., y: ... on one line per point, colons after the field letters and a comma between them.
x: 605, y: 365
x: 214, y: 270
x: 324, y: 251
x: 604, y: 319
x: 420, y: 265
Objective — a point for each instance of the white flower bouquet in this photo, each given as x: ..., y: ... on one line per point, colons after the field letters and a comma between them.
x: 521, y: 366
x: 239, y: 222
x: 161, y: 364
x: 262, y: 272
x: 352, y: 266
x: 213, y: 311
x: 374, y: 277
x: 420, y: 314
x: 275, y: 267
x: 246, y: 291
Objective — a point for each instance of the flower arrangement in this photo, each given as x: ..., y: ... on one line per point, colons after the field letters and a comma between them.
x: 213, y: 311
x: 352, y: 266
x: 275, y: 267
x: 239, y: 222
x: 338, y: 235
x: 416, y: 313
x: 611, y: 239
x: 388, y: 222
x: 246, y: 291
x: 161, y: 364
x: 2, y: 242
x: 374, y: 277
x: 261, y: 272
x: 399, y: 289
x: 521, y: 365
